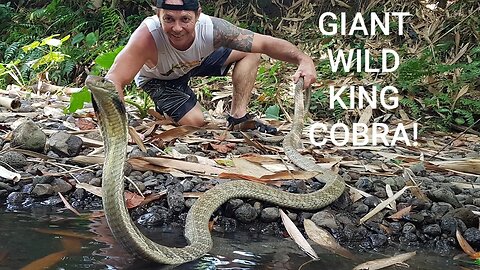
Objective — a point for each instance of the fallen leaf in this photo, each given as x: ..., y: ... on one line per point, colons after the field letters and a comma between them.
x: 133, y: 200
x: 325, y: 239
x: 383, y: 204
x: 182, y: 165
x: 85, y: 124
x: 153, y: 197
x: 136, y: 138
x: 466, y: 246
x: 223, y: 148
x: 90, y: 188
x: 65, y: 233
x: 68, y: 205
x: 297, y: 236
x: 400, y: 214
x: 175, y: 133
x: 388, y: 190
x: 47, y: 261
x: 382, y: 263
x: 9, y: 175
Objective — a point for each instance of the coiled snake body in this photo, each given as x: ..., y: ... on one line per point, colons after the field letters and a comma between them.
x: 113, y: 123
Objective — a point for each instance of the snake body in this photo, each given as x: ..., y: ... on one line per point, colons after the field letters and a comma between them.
x: 113, y: 124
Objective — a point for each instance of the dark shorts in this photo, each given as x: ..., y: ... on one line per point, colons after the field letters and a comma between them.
x: 174, y: 97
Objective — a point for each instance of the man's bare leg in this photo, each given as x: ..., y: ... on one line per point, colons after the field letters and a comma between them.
x: 243, y: 78
x: 194, y: 117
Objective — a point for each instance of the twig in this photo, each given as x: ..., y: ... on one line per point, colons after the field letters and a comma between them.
x: 454, y: 139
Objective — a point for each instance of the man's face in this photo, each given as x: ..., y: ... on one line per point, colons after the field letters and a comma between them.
x: 179, y: 25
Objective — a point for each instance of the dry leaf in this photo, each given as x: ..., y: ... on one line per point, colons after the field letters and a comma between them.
x: 400, y: 214
x: 382, y: 263
x: 383, y: 204
x: 388, y: 190
x: 175, y: 133
x: 297, y: 236
x: 466, y: 246
x: 68, y: 205
x: 137, y: 139
x: 223, y: 148
x: 9, y: 175
x: 47, y: 261
x: 182, y: 165
x: 133, y: 200
x: 85, y: 124
x: 325, y: 239
x: 89, y: 188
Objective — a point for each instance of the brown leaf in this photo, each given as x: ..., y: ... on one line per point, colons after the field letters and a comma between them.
x: 400, y: 214
x: 223, y: 148
x: 466, y: 246
x: 47, y: 261
x: 297, y: 236
x: 255, y: 158
x: 137, y: 139
x: 325, y: 239
x: 382, y: 263
x: 84, y: 124
x: 133, y: 200
x: 65, y: 233
x: 181, y: 165
x: 175, y: 133
x: 68, y: 205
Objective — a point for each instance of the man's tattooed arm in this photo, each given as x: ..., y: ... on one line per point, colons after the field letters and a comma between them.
x: 228, y: 35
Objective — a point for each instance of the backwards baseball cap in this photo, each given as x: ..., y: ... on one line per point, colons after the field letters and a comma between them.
x: 187, y: 5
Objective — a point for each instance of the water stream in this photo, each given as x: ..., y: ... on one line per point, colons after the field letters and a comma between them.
x: 27, y: 237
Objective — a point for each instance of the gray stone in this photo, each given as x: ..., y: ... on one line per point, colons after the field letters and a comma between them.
x: 182, y: 148
x: 60, y: 185
x: 15, y: 159
x: 409, y: 228
x: 472, y: 235
x: 97, y: 182
x: 364, y: 183
x: 42, y: 190
x: 466, y: 215
x: 269, y: 214
x: 188, y: 185
x: 189, y: 202
x: 445, y: 195
x: 16, y: 198
x: 325, y: 219
x: 138, y: 184
x: 450, y: 225
x: 378, y: 240
x: 29, y: 136
x: 441, y: 208
x: 432, y: 230
x: 175, y: 198
x: 419, y: 169
x: 151, y: 183
x: 65, y: 144
x: 245, y: 213
x: 371, y: 201
x: 359, y: 208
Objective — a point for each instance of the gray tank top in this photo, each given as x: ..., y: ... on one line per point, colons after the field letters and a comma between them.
x: 173, y: 63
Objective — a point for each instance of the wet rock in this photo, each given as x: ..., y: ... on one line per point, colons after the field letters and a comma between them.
x: 441, y: 208
x: 355, y: 234
x: 432, y: 230
x: 97, y: 182
x: 3, y: 193
x: 175, y: 198
x: 151, y: 183
x: 84, y: 177
x: 42, y: 190
x: 245, y: 213
x: 16, y: 199
x: 5, y: 186
x: 29, y: 136
x: 292, y: 215
x: 136, y: 186
x: 225, y: 225
x: 472, y: 235
x: 364, y: 183
x: 14, y: 159
x: 414, y: 217
x: 378, y: 240
x: 65, y: 144
x: 420, y: 205
x: 231, y: 205
x: 189, y: 202
x: 43, y: 179
x: 409, y: 228
x: 60, y: 185
x: 359, y: 208
x: 445, y: 195
x: 136, y: 152
x: 371, y: 201
x: 466, y: 215
x: 150, y: 219
x: 419, y: 169
x: 342, y: 202
x: 188, y: 185
x: 269, y: 214
x: 325, y: 219
x: 450, y: 225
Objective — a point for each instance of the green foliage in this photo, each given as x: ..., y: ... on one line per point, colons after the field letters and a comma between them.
x: 273, y: 112
x: 78, y: 99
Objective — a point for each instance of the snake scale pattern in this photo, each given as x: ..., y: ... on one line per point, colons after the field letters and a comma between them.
x: 112, y: 118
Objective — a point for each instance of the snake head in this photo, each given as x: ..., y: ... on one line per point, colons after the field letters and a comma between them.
x: 103, y: 92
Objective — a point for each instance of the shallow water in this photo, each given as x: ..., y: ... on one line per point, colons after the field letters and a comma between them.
x: 27, y: 237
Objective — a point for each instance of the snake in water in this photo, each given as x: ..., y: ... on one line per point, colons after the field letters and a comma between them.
x: 112, y: 118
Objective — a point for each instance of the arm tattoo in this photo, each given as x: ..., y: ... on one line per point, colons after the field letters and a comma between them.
x: 228, y: 35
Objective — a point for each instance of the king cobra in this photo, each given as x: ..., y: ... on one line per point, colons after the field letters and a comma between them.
x: 112, y: 118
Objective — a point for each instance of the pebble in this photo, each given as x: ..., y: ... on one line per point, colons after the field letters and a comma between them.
x: 269, y: 214
x: 245, y: 213
x: 325, y: 219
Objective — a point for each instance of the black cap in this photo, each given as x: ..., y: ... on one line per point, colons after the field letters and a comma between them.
x: 187, y: 5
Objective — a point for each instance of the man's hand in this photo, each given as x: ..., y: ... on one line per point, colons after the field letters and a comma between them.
x: 306, y: 69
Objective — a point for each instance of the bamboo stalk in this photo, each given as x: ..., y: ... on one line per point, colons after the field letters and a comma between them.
x: 9, y: 103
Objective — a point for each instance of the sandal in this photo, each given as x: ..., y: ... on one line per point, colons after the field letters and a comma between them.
x: 249, y: 122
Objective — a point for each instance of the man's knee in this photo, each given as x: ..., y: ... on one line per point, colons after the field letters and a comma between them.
x: 194, y: 117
